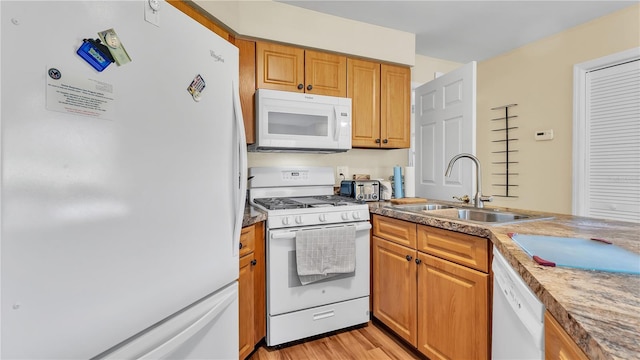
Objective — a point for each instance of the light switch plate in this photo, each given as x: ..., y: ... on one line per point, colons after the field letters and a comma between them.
x: 544, y: 135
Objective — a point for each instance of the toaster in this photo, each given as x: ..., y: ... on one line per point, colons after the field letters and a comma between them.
x: 366, y: 190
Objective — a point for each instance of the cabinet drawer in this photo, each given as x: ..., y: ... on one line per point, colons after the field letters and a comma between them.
x: 398, y: 231
x: 467, y: 250
x: 247, y: 240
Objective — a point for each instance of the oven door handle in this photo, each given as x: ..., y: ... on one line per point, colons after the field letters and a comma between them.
x: 292, y: 234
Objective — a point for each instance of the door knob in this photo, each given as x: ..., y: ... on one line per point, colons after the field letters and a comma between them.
x: 408, y: 257
x: 385, y: 141
x: 309, y: 87
x: 418, y: 261
x: 300, y: 86
x: 254, y: 262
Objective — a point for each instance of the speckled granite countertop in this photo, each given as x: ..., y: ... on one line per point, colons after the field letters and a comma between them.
x: 252, y: 216
x: 599, y: 310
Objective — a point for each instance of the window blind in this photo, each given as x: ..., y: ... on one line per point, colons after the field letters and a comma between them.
x: 613, y: 142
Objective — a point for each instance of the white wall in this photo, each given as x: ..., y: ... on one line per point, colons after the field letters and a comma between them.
x: 293, y: 25
x: 539, y: 78
x: 425, y: 68
x: 375, y: 162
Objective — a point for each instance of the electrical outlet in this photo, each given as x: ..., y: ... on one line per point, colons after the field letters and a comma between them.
x: 342, y: 173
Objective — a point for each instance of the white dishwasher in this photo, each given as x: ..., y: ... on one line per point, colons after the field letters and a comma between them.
x: 518, y: 315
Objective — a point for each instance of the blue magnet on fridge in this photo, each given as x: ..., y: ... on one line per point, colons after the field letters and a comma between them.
x: 95, y: 53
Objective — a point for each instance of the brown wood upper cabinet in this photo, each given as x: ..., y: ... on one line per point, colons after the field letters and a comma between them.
x: 381, y: 98
x: 247, y: 51
x: 287, y: 68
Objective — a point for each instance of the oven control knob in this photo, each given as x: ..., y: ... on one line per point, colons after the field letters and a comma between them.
x: 322, y: 218
x: 298, y: 220
x: 345, y: 216
x: 285, y: 220
x: 356, y: 215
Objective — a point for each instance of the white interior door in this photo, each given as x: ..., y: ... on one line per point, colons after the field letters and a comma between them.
x: 446, y: 126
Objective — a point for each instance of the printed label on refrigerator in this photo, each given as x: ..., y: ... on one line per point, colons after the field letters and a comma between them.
x: 80, y: 96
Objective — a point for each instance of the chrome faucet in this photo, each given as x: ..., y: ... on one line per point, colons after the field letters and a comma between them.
x: 479, y: 198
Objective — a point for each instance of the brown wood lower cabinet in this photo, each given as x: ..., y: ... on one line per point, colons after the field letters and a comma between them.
x: 452, y: 310
x: 557, y: 343
x: 426, y: 291
x: 251, y: 289
x: 394, y: 287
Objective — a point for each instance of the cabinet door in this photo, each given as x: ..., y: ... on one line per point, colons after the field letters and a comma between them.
x: 363, y: 87
x: 452, y: 310
x: 247, y: 86
x: 259, y: 285
x: 325, y: 74
x: 557, y: 343
x: 394, y: 287
x: 245, y: 306
x: 395, y: 106
x: 279, y: 67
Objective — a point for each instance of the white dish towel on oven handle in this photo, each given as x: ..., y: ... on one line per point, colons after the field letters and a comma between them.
x: 326, y: 252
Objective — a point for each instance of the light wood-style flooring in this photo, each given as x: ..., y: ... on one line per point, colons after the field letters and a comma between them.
x: 371, y: 342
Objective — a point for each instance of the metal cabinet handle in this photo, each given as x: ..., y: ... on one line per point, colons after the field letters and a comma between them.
x: 300, y: 86
x: 418, y: 261
x: 385, y: 141
x: 254, y: 262
x: 377, y: 141
x: 408, y: 257
x: 240, y: 245
x: 309, y: 87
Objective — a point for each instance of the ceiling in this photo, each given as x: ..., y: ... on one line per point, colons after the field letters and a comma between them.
x: 463, y: 31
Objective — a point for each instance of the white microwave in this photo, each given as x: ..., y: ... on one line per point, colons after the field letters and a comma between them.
x: 297, y: 122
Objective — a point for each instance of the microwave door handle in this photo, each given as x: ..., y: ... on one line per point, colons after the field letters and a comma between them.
x: 336, y: 132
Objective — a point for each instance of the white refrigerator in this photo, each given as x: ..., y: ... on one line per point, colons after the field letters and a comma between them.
x: 122, y: 190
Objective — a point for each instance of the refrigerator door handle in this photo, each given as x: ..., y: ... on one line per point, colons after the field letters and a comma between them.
x: 183, y: 336
x: 163, y: 339
x: 242, y: 164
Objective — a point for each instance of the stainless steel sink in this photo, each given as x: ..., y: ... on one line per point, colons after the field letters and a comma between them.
x: 421, y: 207
x: 484, y: 216
x: 492, y: 216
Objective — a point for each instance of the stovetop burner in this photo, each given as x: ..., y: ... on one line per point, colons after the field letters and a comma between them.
x: 306, y: 202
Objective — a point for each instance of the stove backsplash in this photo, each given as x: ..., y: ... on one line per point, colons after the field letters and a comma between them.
x: 377, y: 163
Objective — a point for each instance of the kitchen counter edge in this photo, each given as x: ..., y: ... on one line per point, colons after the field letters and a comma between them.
x: 252, y: 216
